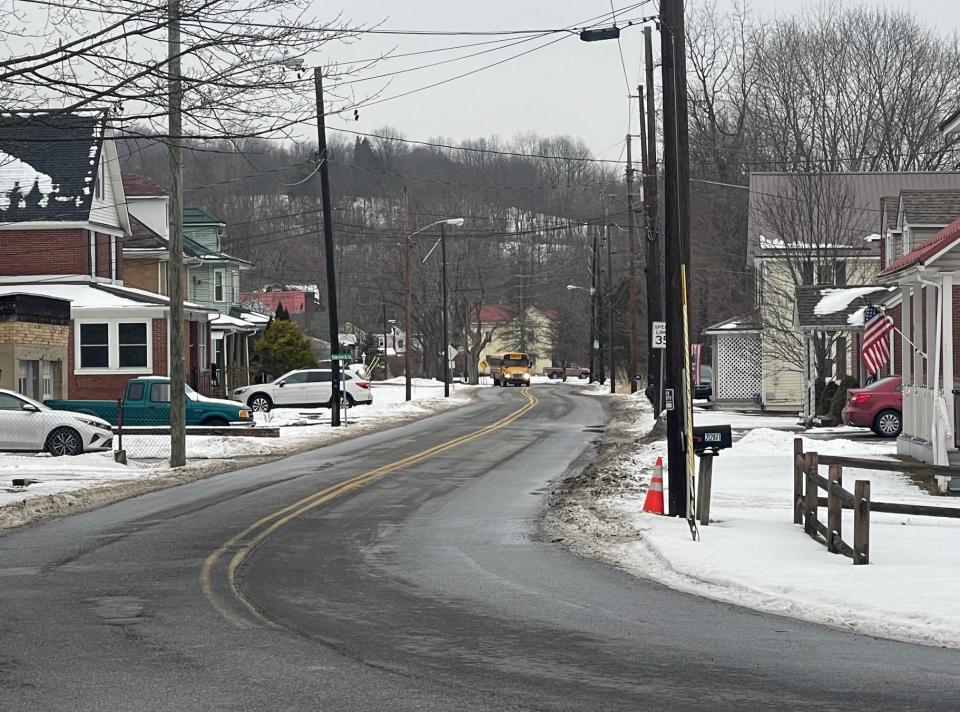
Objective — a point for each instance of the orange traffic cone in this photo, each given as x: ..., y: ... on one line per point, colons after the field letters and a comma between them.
x: 654, y: 501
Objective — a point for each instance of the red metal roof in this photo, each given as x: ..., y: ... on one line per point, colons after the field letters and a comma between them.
x: 496, y: 314
x: 137, y: 184
x: 940, y: 241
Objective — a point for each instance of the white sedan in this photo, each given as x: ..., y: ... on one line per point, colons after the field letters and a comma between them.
x: 28, y: 425
x: 304, y: 388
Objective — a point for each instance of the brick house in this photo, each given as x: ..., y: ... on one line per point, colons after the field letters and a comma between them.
x: 63, y: 224
x: 34, y: 341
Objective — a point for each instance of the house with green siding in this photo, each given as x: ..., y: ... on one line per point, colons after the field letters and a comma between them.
x: 215, y: 283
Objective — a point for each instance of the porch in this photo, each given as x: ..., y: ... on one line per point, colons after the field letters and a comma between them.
x: 926, y: 278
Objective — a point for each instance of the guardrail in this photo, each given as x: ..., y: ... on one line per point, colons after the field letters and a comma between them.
x: 807, y: 483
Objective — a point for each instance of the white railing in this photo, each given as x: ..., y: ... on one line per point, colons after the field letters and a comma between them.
x: 918, y: 402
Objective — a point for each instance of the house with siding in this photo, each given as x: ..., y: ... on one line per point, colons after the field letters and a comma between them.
x: 63, y: 223
x: 215, y: 283
x: 811, y: 230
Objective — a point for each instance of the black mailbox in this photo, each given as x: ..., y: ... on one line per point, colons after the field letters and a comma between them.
x: 711, y: 437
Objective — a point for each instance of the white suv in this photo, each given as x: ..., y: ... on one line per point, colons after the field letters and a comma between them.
x: 307, y: 387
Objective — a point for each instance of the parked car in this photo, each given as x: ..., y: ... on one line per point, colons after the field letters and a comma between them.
x: 704, y: 388
x: 878, y: 406
x: 304, y: 388
x: 574, y: 371
x: 146, y: 401
x: 28, y: 425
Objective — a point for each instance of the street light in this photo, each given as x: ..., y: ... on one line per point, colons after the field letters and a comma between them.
x: 456, y: 222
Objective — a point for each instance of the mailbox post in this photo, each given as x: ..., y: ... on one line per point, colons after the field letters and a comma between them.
x: 708, y: 440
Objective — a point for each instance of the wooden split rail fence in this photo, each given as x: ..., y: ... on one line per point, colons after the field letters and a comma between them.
x: 807, y: 483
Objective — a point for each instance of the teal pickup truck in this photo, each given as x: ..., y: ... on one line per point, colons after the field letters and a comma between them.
x: 146, y: 401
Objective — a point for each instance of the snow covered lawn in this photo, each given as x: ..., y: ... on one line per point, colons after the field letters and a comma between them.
x: 753, y: 555
x: 80, y: 481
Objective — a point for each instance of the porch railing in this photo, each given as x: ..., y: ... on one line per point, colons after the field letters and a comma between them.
x: 918, y: 404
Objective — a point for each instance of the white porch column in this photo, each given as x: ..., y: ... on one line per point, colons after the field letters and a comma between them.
x: 946, y: 301
x: 906, y: 324
x: 930, y: 341
x: 917, y: 336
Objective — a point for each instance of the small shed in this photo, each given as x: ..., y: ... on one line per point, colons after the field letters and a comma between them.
x: 737, y: 363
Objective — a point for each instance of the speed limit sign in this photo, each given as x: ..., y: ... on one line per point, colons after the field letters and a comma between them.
x: 658, y: 339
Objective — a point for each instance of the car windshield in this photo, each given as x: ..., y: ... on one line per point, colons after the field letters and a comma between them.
x: 882, y: 383
x: 191, y: 394
x: 516, y: 361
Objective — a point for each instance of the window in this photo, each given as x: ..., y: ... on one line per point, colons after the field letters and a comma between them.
x: 50, y: 379
x: 218, y: 277
x: 320, y: 377
x: 135, y: 391
x: 109, y: 345
x: 94, y: 346
x: 28, y: 380
x: 806, y: 273
x: 98, y: 183
x: 132, y: 339
x: 9, y: 402
x: 296, y: 378
x: 160, y: 393
x: 92, y: 250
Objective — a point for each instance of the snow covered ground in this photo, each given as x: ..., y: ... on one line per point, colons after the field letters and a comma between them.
x: 80, y: 481
x: 753, y: 555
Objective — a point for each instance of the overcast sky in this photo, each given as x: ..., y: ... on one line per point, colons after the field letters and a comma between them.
x: 569, y: 87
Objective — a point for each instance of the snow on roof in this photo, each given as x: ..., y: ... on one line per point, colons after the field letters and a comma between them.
x: 225, y: 321
x: 837, y: 300
x: 48, y: 166
x: 96, y: 296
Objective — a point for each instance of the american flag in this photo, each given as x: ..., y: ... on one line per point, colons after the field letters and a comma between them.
x: 876, y: 351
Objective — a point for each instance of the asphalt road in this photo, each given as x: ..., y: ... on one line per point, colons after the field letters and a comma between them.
x: 371, y: 576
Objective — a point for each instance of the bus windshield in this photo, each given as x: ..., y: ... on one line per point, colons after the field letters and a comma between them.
x: 522, y: 361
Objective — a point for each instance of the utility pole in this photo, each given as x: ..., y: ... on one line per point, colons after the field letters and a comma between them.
x: 386, y: 356
x: 610, y: 342
x: 676, y: 249
x: 178, y: 392
x: 446, y: 332
x: 328, y: 250
x: 632, y: 279
x: 594, y: 367
x: 407, y: 300
x: 655, y: 359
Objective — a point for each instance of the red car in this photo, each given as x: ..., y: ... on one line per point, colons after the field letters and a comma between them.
x: 878, y: 406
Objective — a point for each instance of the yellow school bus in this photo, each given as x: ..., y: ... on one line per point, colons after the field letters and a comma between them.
x: 510, y: 369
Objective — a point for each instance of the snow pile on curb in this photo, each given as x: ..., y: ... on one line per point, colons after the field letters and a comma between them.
x: 753, y: 555
x: 67, y: 485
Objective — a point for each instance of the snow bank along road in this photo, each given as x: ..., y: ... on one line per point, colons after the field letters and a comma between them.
x: 402, y: 571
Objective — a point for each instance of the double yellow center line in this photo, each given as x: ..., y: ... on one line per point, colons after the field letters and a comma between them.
x: 243, y: 543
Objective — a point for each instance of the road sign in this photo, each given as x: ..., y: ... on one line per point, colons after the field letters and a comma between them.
x: 342, y: 357
x: 658, y: 339
x: 668, y: 397
x: 452, y: 353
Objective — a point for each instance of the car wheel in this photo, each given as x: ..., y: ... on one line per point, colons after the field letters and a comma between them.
x: 64, y: 441
x: 260, y: 403
x: 888, y: 423
x: 553, y: 376
x: 216, y: 422
x: 584, y: 376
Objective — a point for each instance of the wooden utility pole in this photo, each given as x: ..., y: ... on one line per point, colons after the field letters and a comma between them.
x: 407, y: 299
x: 178, y: 392
x: 654, y: 254
x: 676, y: 245
x: 331, y: 268
x: 632, y: 278
x: 611, y: 355
x: 594, y: 296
